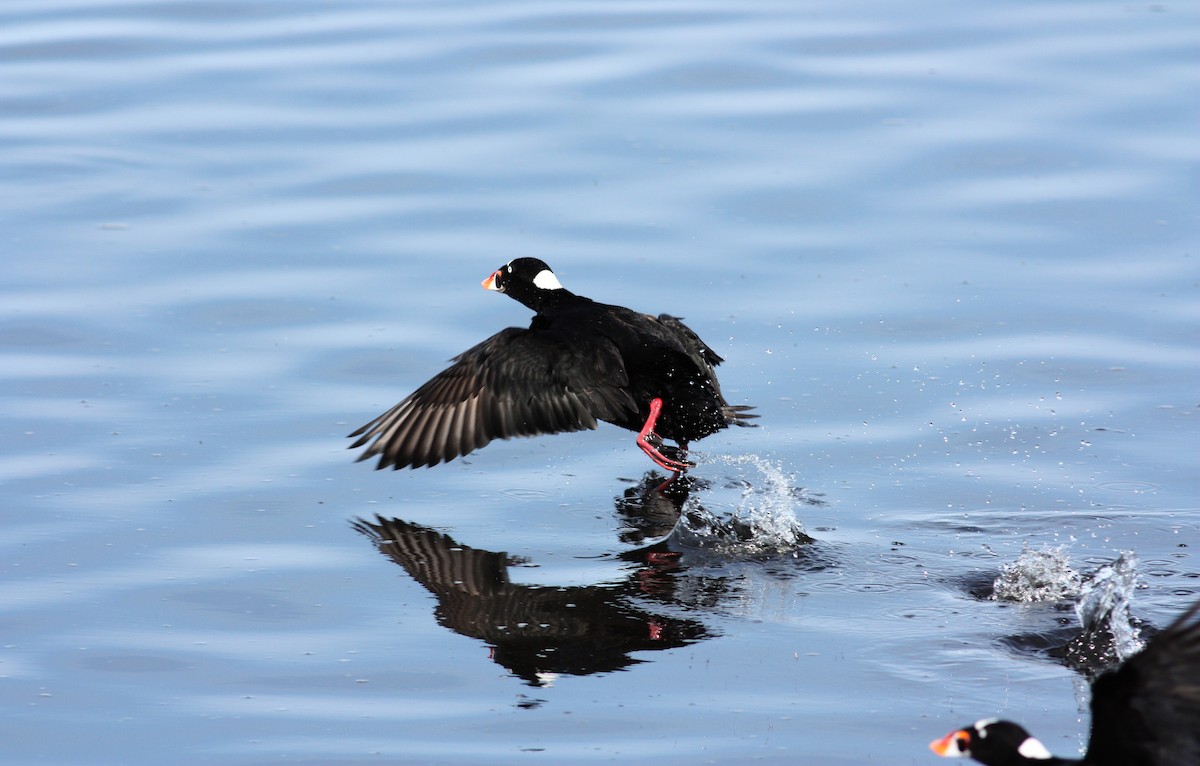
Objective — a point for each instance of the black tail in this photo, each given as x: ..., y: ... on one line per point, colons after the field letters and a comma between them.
x: 738, y: 414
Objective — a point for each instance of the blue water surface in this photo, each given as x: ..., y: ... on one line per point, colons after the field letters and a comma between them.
x: 949, y: 251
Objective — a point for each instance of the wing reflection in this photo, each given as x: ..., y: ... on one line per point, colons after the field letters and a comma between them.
x: 537, y: 631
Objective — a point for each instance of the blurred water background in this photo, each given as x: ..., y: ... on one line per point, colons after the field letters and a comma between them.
x: 948, y: 249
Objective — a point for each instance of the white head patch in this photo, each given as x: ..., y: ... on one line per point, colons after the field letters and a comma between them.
x: 1032, y: 748
x: 546, y: 280
x: 981, y: 726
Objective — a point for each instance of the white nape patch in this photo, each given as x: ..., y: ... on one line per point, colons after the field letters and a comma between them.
x: 1032, y: 748
x: 546, y: 280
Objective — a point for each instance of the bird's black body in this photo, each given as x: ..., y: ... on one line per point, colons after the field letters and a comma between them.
x: 1144, y: 713
x: 579, y: 362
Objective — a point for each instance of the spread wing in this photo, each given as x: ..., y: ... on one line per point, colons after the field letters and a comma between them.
x: 1148, y: 710
x: 515, y: 383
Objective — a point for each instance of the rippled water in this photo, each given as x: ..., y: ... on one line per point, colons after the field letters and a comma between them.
x: 948, y: 250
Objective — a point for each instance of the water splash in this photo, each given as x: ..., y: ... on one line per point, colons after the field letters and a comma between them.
x: 763, y: 517
x: 1038, y: 576
x: 1101, y: 602
x: 1109, y: 636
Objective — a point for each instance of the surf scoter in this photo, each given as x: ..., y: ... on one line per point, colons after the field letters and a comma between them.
x: 1144, y: 713
x: 578, y: 362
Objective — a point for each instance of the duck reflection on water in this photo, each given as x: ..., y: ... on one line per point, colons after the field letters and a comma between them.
x: 539, y: 631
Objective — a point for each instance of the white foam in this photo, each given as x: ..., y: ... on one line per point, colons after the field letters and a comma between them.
x: 1037, y: 576
x: 1104, y: 603
x: 763, y: 515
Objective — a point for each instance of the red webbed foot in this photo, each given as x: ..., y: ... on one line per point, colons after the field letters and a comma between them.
x: 650, y: 442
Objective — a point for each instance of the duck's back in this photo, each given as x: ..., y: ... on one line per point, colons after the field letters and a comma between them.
x: 659, y: 357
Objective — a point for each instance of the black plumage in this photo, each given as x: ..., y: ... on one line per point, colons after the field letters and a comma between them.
x: 579, y: 362
x: 1144, y: 713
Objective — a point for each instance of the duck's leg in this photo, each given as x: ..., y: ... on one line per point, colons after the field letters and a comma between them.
x: 649, y: 442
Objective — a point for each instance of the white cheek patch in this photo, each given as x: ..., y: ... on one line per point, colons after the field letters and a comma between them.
x: 546, y: 280
x: 1032, y: 748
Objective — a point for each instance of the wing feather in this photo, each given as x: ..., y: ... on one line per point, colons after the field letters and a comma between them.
x: 516, y: 383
